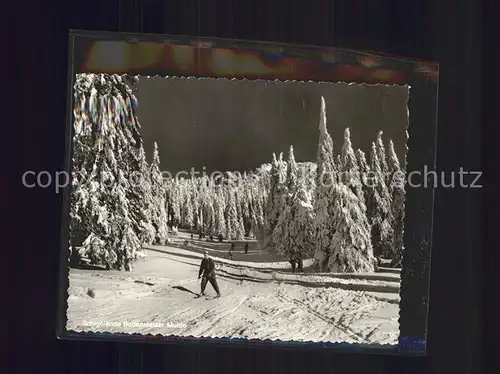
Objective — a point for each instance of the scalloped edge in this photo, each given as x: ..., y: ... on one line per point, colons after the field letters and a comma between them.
x: 190, y: 339
x: 261, y: 80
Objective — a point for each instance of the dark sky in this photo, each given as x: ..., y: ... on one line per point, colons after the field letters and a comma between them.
x: 224, y: 124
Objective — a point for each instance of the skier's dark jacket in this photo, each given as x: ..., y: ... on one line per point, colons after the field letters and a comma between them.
x: 207, y: 268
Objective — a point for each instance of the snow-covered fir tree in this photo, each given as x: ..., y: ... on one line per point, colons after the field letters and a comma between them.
x: 292, y: 172
x: 338, y: 161
x: 175, y: 202
x: 219, y: 205
x: 379, y: 143
x: 364, y: 171
x: 202, y: 202
x: 210, y: 218
x: 398, y: 212
x: 188, y: 207
x: 363, y: 166
x: 397, y: 192
x: 238, y: 198
x: 246, y: 207
x: 350, y: 173
x: 144, y: 200
x: 281, y: 235
x: 106, y: 141
x: 234, y: 229
x: 275, y: 200
x: 326, y: 177
x: 351, y: 249
x: 257, y: 211
x: 240, y: 225
x: 124, y: 242
x: 379, y: 208
x: 293, y: 234
x: 160, y: 219
x: 393, y: 165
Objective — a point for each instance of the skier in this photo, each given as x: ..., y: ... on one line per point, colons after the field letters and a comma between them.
x: 293, y: 263
x: 300, y: 264
x: 231, y: 251
x: 220, y: 237
x: 246, y: 248
x: 207, y: 271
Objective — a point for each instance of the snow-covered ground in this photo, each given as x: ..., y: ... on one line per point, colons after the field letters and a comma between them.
x: 260, y: 300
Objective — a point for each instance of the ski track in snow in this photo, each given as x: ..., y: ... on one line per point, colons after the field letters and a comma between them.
x: 268, y: 308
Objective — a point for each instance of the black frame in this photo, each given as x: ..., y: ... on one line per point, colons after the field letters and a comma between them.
x: 415, y: 274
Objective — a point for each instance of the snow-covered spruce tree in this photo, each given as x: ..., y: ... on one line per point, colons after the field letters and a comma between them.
x: 106, y: 139
x: 281, y: 235
x: 363, y: 166
x: 210, y: 209
x: 160, y: 219
x: 220, y: 207
x: 168, y: 185
x: 188, y: 208
x: 293, y: 234
x: 364, y: 170
x: 202, y: 201
x: 143, y: 200
x: 123, y: 236
x: 338, y: 162
x: 230, y: 216
x: 351, y: 249
x: 240, y: 225
x: 175, y: 202
x: 180, y: 194
x: 246, y: 205
x: 250, y: 209
x: 257, y: 211
x: 195, y: 194
x: 326, y: 177
x: 397, y: 192
x: 379, y: 143
x: 275, y: 200
x: 210, y: 218
x: 238, y: 198
x: 302, y: 223
x: 234, y: 227
x: 350, y: 173
x: 379, y: 208
x: 307, y: 173
x: 79, y: 209
x: 398, y: 212
x: 393, y: 165
x: 199, y: 193
x: 292, y: 172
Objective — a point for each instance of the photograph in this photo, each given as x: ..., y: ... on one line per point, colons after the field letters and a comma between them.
x: 236, y: 208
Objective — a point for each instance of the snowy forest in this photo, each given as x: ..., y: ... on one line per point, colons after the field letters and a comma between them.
x: 345, y: 209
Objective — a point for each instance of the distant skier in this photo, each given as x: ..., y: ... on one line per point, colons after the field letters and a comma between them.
x: 231, y: 251
x: 220, y: 237
x: 207, y: 273
x: 246, y: 248
x: 293, y: 262
x: 300, y: 264
x: 192, y: 236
